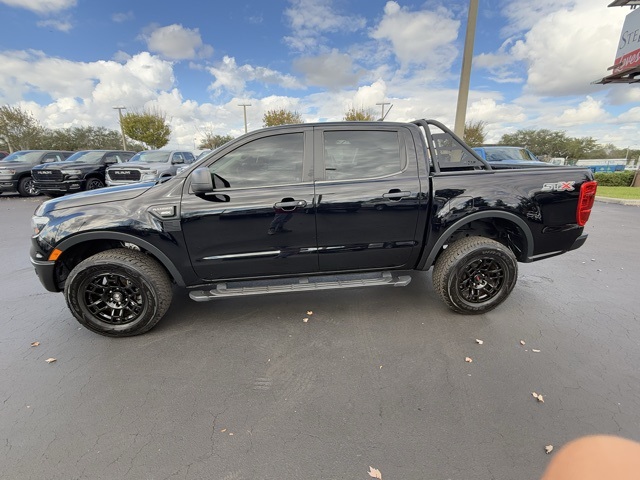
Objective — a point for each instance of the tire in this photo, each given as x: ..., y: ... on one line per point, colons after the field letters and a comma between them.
x: 475, y: 274
x: 94, y: 183
x: 118, y: 293
x: 26, y: 188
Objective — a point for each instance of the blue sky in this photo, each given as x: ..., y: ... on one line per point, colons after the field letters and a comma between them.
x: 70, y: 61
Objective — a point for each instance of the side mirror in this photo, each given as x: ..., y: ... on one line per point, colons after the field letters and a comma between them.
x: 177, y: 160
x: 201, y: 181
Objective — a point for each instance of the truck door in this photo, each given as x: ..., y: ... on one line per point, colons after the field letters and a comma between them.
x: 259, y: 220
x: 368, y: 195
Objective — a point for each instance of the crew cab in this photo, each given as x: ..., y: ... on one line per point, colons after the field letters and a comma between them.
x: 84, y: 170
x: 309, y: 207
x: 15, y: 169
x: 149, y: 166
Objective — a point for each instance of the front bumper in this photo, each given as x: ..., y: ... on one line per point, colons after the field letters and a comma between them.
x: 45, y: 269
x: 64, y: 187
x: 8, y: 185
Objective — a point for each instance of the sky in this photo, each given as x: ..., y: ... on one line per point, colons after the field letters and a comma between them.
x: 69, y: 62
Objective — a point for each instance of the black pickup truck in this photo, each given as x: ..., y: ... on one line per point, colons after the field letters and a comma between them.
x: 84, y: 170
x: 312, y: 206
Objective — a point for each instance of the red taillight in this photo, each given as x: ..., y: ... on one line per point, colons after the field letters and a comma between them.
x: 585, y: 202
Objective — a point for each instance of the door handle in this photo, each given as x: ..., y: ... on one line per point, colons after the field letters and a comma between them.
x: 291, y: 204
x: 396, y: 194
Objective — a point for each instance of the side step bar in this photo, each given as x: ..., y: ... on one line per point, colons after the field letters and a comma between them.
x: 299, y: 284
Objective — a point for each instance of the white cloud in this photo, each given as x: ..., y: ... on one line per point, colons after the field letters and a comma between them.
x: 588, y: 111
x: 524, y: 14
x: 41, y: 6
x: 121, y: 17
x: 569, y: 44
x: 61, y: 25
x: 419, y: 37
x: 176, y: 42
x: 233, y: 78
x: 310, y: 19
x: 332, y: 70
x: 82, y: 93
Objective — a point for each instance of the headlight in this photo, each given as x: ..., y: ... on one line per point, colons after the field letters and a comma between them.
x: 38, y: 223
x: 72, y: 172
x: 7, y: 172
x: 149, y: 175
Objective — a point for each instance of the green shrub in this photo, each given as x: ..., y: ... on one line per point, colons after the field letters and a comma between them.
x: 615, y: 179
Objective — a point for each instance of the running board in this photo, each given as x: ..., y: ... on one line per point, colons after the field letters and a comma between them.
x: 299, y: 284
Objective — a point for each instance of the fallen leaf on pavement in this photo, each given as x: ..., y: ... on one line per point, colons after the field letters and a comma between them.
x: 468, y: 360
x: 535, y: 350
x: 548, y: 449
x: 375, y: 473
x: 309, y: 312
x: 540, y: 398
x: 35, y: 344
x: 305, y: 320
x: 223, y: 430
x: 479, y: 342
x: 50, y: 360
x: 522, y: 342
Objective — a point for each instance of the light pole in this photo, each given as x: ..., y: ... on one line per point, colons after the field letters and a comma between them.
x: 124, y: 139
x: 244, y: 107
x: 383, y: 104
x: 465, y: 74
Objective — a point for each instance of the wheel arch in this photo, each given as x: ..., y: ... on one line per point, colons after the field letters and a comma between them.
x: 83, y: 245
x: 483, y: 218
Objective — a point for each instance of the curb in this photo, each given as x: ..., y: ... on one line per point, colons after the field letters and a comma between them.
x: 619, y: 201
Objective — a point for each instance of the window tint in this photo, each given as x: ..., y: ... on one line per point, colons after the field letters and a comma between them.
x: 361, y: 154
x: 275, y: 160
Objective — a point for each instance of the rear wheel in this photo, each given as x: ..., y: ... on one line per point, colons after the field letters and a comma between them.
x: 94, y: 183
x: 27, y: 188
x: 118, y: 293
x: 475, y: 274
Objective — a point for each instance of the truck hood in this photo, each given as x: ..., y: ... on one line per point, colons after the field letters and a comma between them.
x: 94, y: 197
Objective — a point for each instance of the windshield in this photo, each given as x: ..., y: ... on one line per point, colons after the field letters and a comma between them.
x: 86, y: 156
x: 151, y: 157
x: 497, y: 154
x: 24, y: 156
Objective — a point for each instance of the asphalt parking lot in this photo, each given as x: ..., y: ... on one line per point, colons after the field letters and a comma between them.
x: 245, y: 389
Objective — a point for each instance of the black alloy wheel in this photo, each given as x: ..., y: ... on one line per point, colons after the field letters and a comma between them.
x: 94, y: 183
x: 475, y: 274
x: 119, y: 292
x: 27, y: 188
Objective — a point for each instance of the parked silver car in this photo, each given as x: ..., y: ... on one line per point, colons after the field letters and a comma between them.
x: 148, y: 166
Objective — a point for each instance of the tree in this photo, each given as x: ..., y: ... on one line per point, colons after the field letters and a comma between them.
x: 280, y: 117
x: 83, y: 138
x: 358, y: 115
x: 149, y: 127
x: 18, y: 129
x: 211, y: 141
x: 552, y: 143
x: 474, y: 133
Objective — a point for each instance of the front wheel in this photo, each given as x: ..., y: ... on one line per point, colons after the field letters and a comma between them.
x: 475, y: 274
x: 118, y: 293
x: 26, y: 187
x: 94, y: 183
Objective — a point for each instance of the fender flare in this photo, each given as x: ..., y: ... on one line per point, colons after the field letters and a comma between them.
x: 124, y: 237
x: 512, y: 217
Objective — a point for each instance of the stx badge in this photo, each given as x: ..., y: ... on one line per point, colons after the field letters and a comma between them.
x: 559, y: 187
